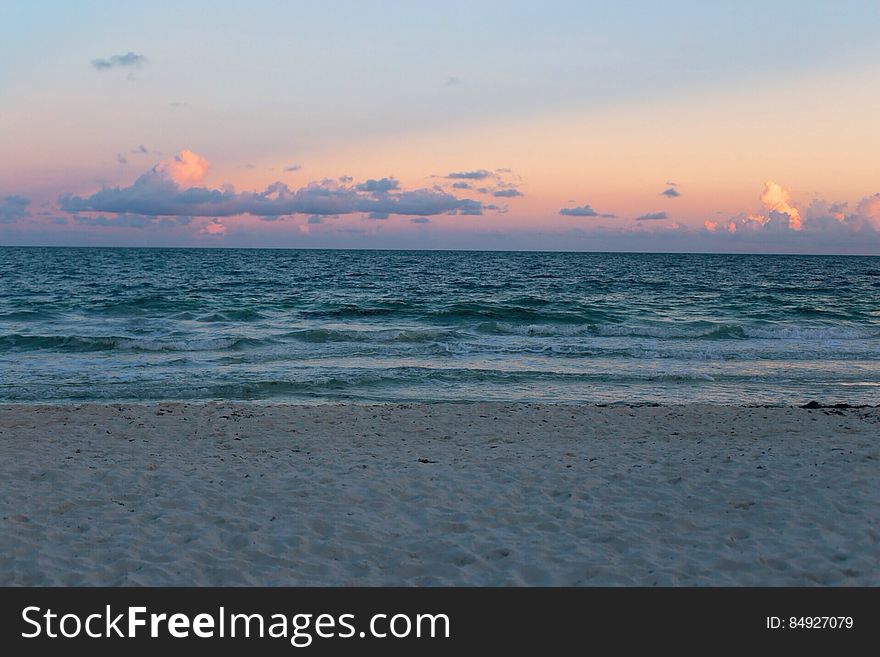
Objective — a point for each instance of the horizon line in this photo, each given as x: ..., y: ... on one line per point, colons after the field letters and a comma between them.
x: 431, y: 250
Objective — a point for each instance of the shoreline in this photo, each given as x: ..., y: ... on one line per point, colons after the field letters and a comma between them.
x: 9, y: 406
x: 439, y: 493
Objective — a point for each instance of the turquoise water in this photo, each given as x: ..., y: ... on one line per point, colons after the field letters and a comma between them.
x: 146, y: 324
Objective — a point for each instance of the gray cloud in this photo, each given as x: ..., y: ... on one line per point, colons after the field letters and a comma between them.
x: 479, y: 174
x: 127, y: 60
x: 378, y: 215
x: 316, y: 219
x: 652, y: 216
x: 13, y: 208
x: 155, y: 194
x: 461, y: 185
x: 420, y: 220
x: 293, y: 167
x: 671, y: 192
x: 140, y: 150
x: 584, y: 211
x: 671, y: 184
x: 507, y: 193
x: 378, y: 186
x: 121, y: 158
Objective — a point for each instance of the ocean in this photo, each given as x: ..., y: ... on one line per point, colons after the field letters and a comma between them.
x: 114, y: 324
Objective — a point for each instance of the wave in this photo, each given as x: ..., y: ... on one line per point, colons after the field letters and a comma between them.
x: 683, y: 331
x: 535, y: 330
x: 703, y: 330
x: 528, y: 310
x: 670, y: 331
x: 351, y: 310
x: 143, y: 305
x: 66, y: 343
x: 364, y: 383
x: 453, y: 375
x: 27, y: 315
x: 811, y: 333
x: 389, y: 335
x: 239, y: 315
x: 744, y: 350
x: 571, y: 340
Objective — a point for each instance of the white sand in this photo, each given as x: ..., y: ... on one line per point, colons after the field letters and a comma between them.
x: 497, y: 494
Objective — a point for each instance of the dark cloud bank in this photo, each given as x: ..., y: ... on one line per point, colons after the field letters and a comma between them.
x: 154, y: 194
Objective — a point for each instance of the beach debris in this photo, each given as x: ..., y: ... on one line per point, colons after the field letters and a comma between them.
x: 816, y: 405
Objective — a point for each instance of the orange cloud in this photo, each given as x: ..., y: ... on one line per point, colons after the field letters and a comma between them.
x: 776, y: 198
x: 186, y: 168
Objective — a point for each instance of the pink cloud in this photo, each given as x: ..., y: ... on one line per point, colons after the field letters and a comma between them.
x: 186, y: 168
x: 215, y: 228
x: 869, y: 209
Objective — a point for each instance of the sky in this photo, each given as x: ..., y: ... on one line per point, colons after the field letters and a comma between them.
x: 628, y: 126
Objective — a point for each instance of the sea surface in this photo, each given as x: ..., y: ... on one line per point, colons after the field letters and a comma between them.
x: 110, y: 324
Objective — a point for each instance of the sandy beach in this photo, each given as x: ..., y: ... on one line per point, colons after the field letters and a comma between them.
x: 438, y: 494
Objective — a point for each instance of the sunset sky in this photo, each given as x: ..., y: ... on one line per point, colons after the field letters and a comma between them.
x: 685, y: 126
